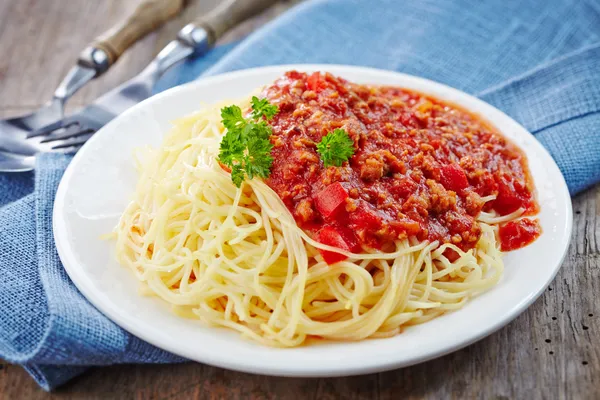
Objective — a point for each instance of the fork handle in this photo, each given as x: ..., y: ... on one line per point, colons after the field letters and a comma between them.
x: 109, y: 46
x: 226, y: 15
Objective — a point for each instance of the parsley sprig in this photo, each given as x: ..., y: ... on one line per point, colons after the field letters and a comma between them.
x: 262, y: 108
x: 335, y: 148
x: 246, y: 148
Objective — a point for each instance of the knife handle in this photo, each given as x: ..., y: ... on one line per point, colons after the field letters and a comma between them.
x: 109, y: 46
x: 228, y: 14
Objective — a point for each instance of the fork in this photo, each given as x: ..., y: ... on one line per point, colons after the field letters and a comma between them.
x: 192, y: 40
x: 93, y: 61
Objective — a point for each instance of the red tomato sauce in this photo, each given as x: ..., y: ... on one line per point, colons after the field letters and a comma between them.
x: 519, y: 233
x: 421, y: 166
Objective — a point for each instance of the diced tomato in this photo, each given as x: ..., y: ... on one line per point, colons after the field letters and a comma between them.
x: 454, y: 178
x: 330, y: 200
x: 365, y: 218
x: 347, y: 234
x: 341, y: 223
x: 330, y: 236
x: 312, y: 226
x: 516, y: 234
x: 508, y: 199
x: 315, y: 82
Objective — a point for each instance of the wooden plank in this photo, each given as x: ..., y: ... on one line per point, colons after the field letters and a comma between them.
x: 45, y: 38
x: 16, y: 111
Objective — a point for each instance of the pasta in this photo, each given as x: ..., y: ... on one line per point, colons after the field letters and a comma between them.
x: 235, y: 257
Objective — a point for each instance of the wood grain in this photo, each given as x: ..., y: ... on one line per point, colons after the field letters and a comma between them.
x: 147, y: 17
x: 551, y: 351
x: 228, y: 14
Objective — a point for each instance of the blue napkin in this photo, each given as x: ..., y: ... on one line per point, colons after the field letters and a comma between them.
x: 539, y: 61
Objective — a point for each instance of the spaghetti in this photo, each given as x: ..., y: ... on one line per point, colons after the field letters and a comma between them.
x: 235, y: 257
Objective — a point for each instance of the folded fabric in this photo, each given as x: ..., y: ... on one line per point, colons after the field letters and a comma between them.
x: 538, y: 61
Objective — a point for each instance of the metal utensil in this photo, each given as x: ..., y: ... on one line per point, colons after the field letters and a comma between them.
x: 194, y: 39
x: 16, y: 163
x: 93, y: 61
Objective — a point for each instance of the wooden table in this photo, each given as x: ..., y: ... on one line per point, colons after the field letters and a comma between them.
x: 551, y: 351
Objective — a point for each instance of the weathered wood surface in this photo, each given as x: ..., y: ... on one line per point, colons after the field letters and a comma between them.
x: 550, y: 351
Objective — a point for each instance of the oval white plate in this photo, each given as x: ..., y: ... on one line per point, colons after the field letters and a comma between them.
x: 99, y: 182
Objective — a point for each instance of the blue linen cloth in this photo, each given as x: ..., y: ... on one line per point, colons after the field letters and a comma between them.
x: 539, y: 61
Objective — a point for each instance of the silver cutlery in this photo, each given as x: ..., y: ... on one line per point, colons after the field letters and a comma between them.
x: 192, y: 40
x: 10, y: 162
x: 94, y: 61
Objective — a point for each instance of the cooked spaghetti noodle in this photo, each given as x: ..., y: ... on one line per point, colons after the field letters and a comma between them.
x: 235, y: 257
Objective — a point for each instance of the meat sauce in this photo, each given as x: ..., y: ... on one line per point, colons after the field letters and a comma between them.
x: 421, y: 166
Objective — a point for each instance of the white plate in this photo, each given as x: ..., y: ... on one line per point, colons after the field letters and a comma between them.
x: 99, y: 182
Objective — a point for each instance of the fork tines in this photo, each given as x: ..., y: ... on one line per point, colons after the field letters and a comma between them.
x: 64, y: 134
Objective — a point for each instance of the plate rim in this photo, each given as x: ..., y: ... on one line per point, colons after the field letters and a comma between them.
x: 69, y: 262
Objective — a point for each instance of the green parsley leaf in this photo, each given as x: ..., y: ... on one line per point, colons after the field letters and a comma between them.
x: 261, y: 130
x: 246, y: 147
x: 259, y: 157
x: 237, y: 175
x: 232, y: 117
x: 231, y: 149
x: 335, y: 148
x: 262, y: 108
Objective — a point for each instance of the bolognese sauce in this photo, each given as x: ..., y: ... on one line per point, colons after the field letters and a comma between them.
x: 421, y: 167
